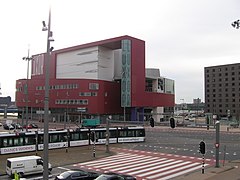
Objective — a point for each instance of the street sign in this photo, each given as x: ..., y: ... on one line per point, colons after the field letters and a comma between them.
x: 81, y: 109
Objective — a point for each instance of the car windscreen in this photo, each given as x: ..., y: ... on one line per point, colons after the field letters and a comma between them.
x: 65, y: 174
x: 9, y: 164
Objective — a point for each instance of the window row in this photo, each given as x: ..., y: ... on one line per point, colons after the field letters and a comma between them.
x: 226, y: 84
x: 72, y: 101
x: 225, y: 74
x: 226, y: 100
x: 224, y: 105
x: 61, y: 86
x: 220, y: 111
x: 88, y: 94
x: 219, y: 69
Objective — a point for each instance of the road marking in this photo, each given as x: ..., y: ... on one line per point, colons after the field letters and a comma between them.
x: 145, y: 165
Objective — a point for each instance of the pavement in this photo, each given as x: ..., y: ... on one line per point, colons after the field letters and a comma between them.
x: 62, y: 157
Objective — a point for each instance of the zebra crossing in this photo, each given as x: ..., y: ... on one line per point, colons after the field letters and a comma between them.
x: 146, y: 165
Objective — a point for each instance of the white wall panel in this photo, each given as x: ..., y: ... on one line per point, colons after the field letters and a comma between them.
x: 80, y: 64
x: 105, y: 64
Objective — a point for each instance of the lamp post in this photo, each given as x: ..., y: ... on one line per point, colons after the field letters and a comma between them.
x: 46, y: 98
x: 26, y: 88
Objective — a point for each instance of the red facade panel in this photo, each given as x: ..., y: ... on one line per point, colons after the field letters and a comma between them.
x: 108, y: 99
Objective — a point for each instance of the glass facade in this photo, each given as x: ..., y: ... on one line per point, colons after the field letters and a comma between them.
x: 126, y: 74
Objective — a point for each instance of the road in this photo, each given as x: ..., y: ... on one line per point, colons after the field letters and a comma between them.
x: 170, y: 145
x: 186, y: 142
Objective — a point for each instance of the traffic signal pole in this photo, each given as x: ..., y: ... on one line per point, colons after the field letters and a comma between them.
x: 217, y: 143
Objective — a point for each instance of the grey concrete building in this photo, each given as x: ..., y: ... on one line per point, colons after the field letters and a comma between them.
x: 222, y: 90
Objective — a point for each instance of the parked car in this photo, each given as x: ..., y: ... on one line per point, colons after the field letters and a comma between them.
x: 29, y: 126
x: 115, y: 176
x: 33, y: 125
x: 16, y: 126
x: 77, y: 174
x: 8, y: 127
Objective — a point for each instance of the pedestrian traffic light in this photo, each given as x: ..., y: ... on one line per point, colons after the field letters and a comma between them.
x: 172, y: 122
x: 202, y: 147
x: 151, y: 122
x: 92, y: 136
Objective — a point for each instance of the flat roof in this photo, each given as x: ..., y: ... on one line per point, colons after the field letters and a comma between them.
x: 23, y: 158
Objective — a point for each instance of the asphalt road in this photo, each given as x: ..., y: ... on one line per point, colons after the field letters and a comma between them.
x: 186, y: 142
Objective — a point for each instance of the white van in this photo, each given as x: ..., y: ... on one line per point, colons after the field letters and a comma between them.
x: 25, y: 165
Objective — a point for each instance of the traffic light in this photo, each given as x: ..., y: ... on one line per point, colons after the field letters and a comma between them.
x: 172, y: 122
x: 151, y: 122
x: 92, y: 136
x: 202, y: 147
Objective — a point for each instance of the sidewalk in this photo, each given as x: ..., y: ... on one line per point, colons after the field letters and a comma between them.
x: 59, y: 157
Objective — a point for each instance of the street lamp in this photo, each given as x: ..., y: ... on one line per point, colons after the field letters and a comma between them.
x: 236, y: 24
x: 26, y: 87
x: 46, y: 98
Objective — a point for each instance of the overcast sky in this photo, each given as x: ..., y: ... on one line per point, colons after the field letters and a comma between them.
x: 182, y: 36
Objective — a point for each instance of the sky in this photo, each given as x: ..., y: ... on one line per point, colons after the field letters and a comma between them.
x: 181, y: 36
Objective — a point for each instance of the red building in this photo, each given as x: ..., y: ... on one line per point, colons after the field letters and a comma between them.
x: 101, y: 78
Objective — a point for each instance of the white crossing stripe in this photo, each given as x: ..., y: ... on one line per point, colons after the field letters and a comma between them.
x: 173, y: 170
x: 167, y: 163
x: 145, y: 165
x: 128, y: 163
x: 141, y: 165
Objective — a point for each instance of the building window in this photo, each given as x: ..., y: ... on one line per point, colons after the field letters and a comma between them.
x: 88, y: 94
x: 93, y: 86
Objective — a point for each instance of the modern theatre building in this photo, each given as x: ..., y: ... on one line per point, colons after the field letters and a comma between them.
x: 97, y: 80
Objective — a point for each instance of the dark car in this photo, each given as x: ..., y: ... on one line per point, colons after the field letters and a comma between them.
x: 77, y: 174
x: 8, y: 127
x: 33, y: 125
x: 115, y: 176
x: 16, y: 126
